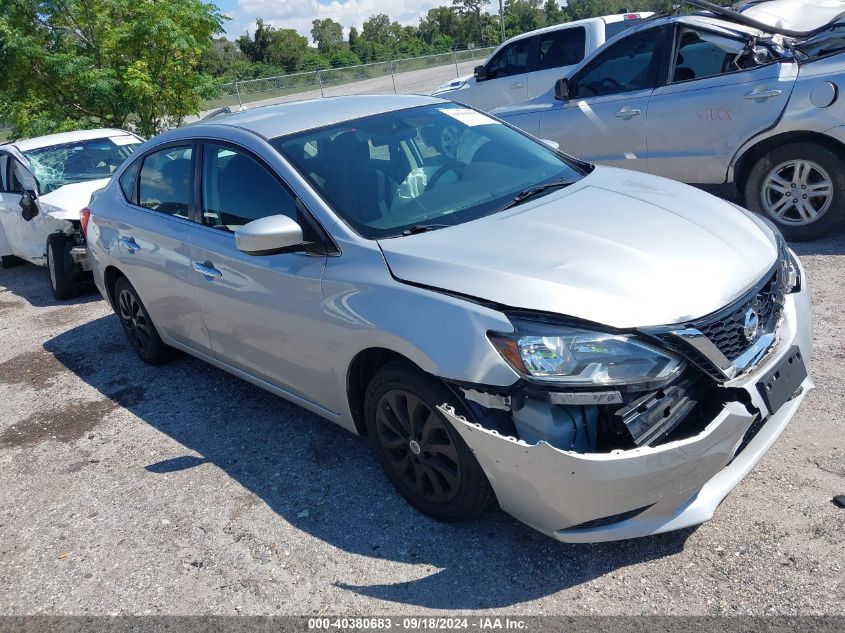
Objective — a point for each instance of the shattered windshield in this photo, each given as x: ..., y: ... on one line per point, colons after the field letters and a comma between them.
x: 59, y: 165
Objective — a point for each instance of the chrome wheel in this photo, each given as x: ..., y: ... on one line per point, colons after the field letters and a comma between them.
x: 134, y: 320
x: 797, y: 192
x: 418, y: 447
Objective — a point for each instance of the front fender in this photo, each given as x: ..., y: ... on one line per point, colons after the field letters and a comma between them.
x: 365, y: 307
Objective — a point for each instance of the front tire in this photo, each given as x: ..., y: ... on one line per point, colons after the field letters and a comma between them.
x: 424, y: 458
x: 61, y: 270
x: 801, y: 188
x: 137, y: 325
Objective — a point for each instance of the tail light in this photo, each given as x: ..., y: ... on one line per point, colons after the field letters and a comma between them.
x: 631, y: 16
x: 84, y: 216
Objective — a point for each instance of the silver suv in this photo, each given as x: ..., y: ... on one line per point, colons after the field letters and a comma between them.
x: 716, y: 97
x: 607, y: 353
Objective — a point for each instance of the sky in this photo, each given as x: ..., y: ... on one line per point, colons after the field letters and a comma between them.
x: 298, y: 14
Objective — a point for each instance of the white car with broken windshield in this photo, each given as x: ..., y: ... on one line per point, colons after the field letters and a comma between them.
x: 605, y: 353
x: 45, y: 182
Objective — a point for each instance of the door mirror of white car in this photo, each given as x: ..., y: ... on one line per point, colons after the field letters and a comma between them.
x: 269, y: 236
x: 480, y: 73
x: 29, y: 208
x: 562, y: 89
x: 553, y: 144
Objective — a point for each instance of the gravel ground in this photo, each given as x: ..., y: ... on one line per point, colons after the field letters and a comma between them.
x: 181, y: 490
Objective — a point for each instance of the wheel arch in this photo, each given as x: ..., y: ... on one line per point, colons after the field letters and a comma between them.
x: 110, y: 276
x: 746, y: 160
x: 361, y: 371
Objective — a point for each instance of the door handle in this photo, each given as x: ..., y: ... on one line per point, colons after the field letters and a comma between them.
x: 628, y: 112
x: 516, y: 86
x: 207, y: 270
x: 763, y: 94
x: 130, y: 244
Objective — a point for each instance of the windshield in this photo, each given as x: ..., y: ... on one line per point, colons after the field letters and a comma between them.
x: 441, y: 164
x: 59, y: 165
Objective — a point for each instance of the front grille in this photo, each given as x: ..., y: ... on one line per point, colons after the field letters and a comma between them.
x: 726, y: 328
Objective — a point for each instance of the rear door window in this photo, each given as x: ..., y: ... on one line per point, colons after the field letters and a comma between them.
x: 563, y: 47
x: 165, y: 184
x: 704, y: 54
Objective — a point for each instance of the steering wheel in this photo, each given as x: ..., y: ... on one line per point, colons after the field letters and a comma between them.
x: 454, y: 166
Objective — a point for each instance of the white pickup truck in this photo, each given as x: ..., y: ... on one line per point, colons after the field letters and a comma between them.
x: 526, y: 66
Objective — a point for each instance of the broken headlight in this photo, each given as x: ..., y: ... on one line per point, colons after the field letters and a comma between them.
x: 582, y: 358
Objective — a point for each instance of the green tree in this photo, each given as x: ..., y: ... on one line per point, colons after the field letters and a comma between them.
x: 552, y: 13
x: 277, y: 47
x: 522, y: 16
x: 327, y: 35
x: 222, y: 58
x: 377, y: 29
x: 78, y: 63
x: 472, y: 10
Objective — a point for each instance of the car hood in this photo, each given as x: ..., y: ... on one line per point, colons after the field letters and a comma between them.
x: 796, y: 16
x: 66, y: 202
x: 452, y: 84
x: 617, y: 248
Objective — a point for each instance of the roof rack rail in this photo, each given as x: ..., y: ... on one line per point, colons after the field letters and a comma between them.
x: 734, y: 16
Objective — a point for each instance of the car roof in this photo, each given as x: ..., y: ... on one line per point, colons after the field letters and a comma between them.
x: 38, y: 142
x: 288, y: 118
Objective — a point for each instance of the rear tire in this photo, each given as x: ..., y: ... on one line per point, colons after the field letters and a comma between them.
x: 424, y: 458
x: 801, y: 188
x: 62, y: 272
x: 137, y: 325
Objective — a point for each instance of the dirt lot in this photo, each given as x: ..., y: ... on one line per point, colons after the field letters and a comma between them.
x: 131, y: 489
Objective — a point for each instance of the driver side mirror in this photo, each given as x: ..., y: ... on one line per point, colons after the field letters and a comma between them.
x: 269, y: 236
x: 480, y: 73
x: 29, y: 208
x: 562, y: 89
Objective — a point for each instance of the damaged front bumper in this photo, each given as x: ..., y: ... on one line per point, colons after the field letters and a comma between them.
x: 589, y: 497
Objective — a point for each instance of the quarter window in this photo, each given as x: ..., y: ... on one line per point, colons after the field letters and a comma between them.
x: 127, y: 182
x: 237, y: 190
x: 626, y: 66
x: 563, y: 47
x: 166, y: 181
x: 511, y: 60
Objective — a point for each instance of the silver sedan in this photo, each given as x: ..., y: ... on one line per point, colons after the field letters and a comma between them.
x: 605, y: 353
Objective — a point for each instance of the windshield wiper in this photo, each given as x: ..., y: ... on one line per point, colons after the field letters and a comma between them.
x: 424, y: 228
x: 527, y: 194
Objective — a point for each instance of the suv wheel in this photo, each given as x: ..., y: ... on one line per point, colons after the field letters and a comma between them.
x: 801, y: 188
x: 61, y: 271
x: 137, y: 326
x: 424, y: 458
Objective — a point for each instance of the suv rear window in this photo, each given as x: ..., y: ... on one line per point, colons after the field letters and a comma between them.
x: 612, y: 29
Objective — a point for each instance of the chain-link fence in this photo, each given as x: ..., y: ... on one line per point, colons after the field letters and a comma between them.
x: 414, y: 75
